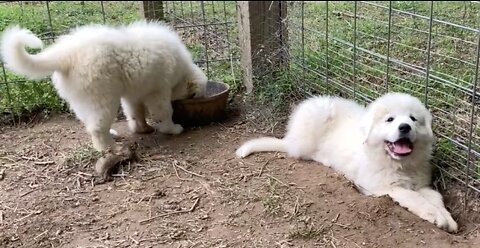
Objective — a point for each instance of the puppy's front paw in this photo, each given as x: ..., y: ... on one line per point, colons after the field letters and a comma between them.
x: 170, y: 128
x: 176, y: 129
x: 114, y: 133
x: 450, y: 226
x: 440, y: 218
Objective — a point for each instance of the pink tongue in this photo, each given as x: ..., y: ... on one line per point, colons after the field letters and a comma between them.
x: 401, y: 148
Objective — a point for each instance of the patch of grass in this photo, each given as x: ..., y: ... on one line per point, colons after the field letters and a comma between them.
x: 272, y: 203
x: 275, y: 89
x: 26, y: 96
x: 273, y: 206
x: 307, y: 232
x: 82, y: 156
x: 409, y: 41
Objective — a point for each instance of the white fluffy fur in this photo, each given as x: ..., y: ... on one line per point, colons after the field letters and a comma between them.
x: 142, y: 67
x: 349, y: 138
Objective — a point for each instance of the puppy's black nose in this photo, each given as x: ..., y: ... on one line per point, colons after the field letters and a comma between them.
x: 404, y: 128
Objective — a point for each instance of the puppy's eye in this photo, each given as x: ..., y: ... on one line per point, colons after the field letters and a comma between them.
x: 413, y: 118
x: 390, y: 119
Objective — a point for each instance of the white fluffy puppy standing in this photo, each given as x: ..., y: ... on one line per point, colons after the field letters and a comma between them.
x: 384, y: 149
x: 96, y: 68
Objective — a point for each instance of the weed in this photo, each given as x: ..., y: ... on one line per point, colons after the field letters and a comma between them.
x: 273, y: 206
x: 273, y: 202
x: 307, y: 232
x: 83, y: 156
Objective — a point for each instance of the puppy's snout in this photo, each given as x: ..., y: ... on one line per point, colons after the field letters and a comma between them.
x: 404, y: 128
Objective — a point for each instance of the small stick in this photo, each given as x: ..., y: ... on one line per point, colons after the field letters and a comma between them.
x: 190, y: 172
x: 134, y: 241
x: 295, y: 208
x: 336, y: 218
x: 2, y: 174
x: 41, y: 234
x: 176, y: 173
x: 284, y: 184
x: 28, y: 215
x: 28, y: 158
x: 341, y: 225
x: 1, y: 217
x: 265, y: 165
x: 85, y: 174
x: 44, y: 162
x: 174, y: 212
x: 26, y: 193
x: 47, y: 145
x: 149, y: 239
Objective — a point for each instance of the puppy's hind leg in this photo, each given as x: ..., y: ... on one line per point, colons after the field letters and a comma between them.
x: 161, y: 109
x: 98, y: 123
x: 135, y: 113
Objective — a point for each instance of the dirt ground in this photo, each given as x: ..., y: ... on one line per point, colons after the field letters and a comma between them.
x: 190, y: 191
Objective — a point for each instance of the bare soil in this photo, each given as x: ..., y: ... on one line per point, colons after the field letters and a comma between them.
x: 190, y: 191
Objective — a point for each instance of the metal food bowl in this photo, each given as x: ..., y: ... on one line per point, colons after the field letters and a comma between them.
x: 203, y: 111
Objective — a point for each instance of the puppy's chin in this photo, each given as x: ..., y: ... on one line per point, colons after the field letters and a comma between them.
x: 400, y: 148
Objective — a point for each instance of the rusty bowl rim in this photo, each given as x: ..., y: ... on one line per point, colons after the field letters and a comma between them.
x: 210, y: 98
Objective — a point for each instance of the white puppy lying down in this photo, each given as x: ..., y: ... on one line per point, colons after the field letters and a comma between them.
x: 384, y: 149
x: 96, y: 68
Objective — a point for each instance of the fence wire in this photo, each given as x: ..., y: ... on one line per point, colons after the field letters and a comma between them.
x: 209, y: 30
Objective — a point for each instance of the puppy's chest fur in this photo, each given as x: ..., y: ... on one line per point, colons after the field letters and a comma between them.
x: 406, y: 175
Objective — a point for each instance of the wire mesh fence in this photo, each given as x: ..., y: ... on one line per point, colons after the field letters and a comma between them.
x: 357, y: 50
x: 210, y: 32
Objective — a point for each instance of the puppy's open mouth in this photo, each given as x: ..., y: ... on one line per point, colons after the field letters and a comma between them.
x: 401, y: 147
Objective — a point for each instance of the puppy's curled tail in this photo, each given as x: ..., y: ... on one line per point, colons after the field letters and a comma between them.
x: 264, y: 144
x: 13, y: 43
